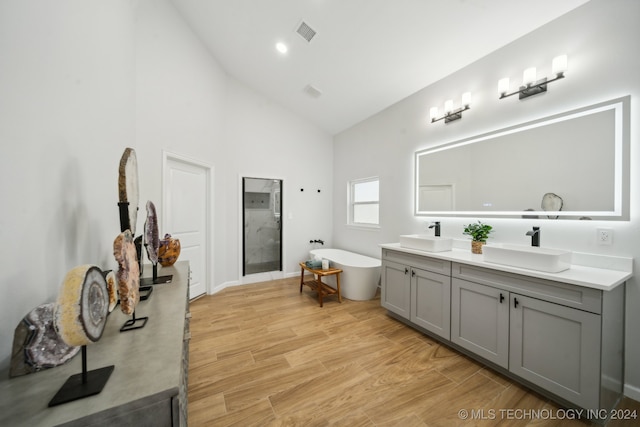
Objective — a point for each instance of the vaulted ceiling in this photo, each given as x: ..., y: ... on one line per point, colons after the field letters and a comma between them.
x: 365, y: 55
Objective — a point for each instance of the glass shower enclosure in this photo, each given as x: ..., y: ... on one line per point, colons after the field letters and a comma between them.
x: 261, y: 214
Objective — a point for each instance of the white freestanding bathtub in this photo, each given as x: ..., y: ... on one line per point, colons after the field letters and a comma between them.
x: 360, y: 274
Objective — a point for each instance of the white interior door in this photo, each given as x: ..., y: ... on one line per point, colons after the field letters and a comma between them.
x: 187, y: 215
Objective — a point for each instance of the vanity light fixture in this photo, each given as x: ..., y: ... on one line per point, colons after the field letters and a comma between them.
x: 531, y: 86
x: 449, y: 113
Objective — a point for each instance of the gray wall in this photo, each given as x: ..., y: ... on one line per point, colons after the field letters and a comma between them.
x: 600, y: 39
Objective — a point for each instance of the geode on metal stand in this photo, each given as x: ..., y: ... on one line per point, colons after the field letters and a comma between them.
x: 83, y: 305
x: 112, y: 288
x: 80, y: 318
x: 37, y: 345
x: 128, y: 189
x: 152, y: 240
x: 152, y: 243
x: 128, y: 275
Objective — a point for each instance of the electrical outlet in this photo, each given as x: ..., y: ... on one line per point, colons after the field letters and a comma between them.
x: 604, y: 236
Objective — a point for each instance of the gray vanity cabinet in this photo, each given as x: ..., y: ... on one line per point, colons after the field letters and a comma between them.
x: 480, y: 320
x: 550, y: 345
x: 431, y: 301
x: 396, y: 288
x: 563, y: 340
x: 557, y: 348
x: 418, y: 289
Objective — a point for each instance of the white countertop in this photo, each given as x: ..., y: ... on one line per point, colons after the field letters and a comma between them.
x: 597, y: 278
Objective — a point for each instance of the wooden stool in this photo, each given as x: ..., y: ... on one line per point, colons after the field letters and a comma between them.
x: 317, y: 285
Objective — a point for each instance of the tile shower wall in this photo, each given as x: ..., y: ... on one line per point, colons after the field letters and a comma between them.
x: 262, y: 237
x: 261, y: 225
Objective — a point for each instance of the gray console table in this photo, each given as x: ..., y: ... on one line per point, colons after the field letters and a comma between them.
x: 148, y: 386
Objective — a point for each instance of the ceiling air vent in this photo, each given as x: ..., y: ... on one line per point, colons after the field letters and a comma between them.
x: 306, y: 31
x: 312, y: 91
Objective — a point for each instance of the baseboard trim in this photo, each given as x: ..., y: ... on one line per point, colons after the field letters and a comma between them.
x: 232, y: 283
x: 632, y: 392
x: 223, y: 286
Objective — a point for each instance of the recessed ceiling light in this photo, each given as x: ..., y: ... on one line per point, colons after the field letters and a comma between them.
x: 281, y: 47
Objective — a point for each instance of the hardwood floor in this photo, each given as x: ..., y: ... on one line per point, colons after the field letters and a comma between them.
x: 264, y: 354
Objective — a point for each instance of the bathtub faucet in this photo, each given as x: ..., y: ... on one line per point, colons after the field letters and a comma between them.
x: 437, y: 226
x: 317, y: 241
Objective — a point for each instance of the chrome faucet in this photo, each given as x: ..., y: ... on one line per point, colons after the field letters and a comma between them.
x: 535, y: 236
x: 437, y: 226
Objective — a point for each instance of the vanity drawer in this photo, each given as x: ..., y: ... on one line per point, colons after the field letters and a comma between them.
x: 579, y: 297
x: 418, y: 261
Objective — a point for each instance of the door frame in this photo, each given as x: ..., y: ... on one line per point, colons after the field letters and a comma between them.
x: 271, y: 275
x: 209, y: 216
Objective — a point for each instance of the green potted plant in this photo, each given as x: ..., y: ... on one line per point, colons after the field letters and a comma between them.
x: 479, y: 234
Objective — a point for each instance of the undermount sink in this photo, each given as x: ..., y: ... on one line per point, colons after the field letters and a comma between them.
x: 534, y: 258
x: 425, y: 242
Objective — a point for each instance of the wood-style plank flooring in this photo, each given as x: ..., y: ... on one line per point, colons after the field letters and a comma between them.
x: 266, y: 355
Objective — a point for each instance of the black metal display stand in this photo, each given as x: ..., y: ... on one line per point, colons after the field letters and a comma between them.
x: 134, y: 323
x: 145, y: 289
x: 124, y: 216
x: 156, y: 280
x: 84, y: 384
x: 145, y: 292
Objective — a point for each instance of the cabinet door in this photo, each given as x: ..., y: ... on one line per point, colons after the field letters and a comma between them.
x: 431, y: 301
x: 480, y: 320
x: 557, y: 348
x: 396, y: 288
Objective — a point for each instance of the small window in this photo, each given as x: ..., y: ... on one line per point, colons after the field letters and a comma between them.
x: 364, y: 202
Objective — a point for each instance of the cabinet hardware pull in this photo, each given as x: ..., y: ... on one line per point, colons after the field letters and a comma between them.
x: 413, y: 273
x: 515, y: 302
x: 501, y: 297
x: 406, y: 270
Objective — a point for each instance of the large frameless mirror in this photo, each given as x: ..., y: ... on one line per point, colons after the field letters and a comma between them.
x: 573, y: 165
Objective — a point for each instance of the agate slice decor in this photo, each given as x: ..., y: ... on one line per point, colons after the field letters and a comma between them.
x: 37, y: 345
x: 128, y: 185
x: 81, y: 315
x: 152, y: 240
x: 83, y: 305
x: 128, y: 275
x: 112, y: 289
x: 169, y: 250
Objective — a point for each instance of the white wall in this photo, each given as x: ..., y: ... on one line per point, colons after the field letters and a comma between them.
x: 265, y: 141
x: 600, y: 40
x: 187, y: 104
x: 83, y: 79
x: 66, y: 114
x: 180, y: 104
